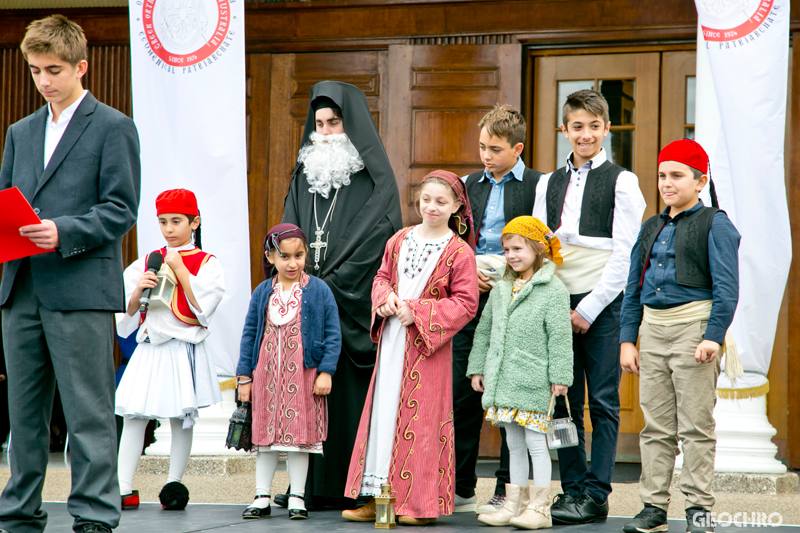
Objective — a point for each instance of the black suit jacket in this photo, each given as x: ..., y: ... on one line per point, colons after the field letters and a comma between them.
x: 90, y: 189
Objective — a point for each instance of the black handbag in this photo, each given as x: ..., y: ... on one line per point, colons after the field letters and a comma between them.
x: 240, y: 429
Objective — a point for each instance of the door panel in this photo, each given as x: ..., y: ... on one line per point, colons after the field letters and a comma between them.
x: 438, y: 94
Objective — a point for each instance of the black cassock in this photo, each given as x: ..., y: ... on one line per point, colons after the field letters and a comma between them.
x: 366, y: 215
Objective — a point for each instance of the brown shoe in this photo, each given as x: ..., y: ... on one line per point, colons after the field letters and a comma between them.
x: 410, y: 521
x: 363, y: 514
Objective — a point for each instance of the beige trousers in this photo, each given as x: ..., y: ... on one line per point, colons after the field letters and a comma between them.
x: 677, y: 395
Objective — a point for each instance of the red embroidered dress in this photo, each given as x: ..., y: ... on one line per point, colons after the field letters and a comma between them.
x: 287, y: 415
x: 421, y: 467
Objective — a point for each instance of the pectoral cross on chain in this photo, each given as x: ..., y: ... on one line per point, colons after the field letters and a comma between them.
x: 318, y: 245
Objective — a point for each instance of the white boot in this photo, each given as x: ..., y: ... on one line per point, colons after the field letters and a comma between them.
x: 516, y: 502
x: 537, y: 513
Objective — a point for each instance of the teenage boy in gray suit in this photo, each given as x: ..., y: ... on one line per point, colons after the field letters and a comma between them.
x: 77, y: 162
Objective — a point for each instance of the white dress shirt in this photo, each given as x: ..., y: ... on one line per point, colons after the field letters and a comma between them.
x: 55, y: 130
x: 629, y: 206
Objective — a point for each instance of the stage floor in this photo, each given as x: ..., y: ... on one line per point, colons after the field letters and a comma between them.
x: 212, y: 517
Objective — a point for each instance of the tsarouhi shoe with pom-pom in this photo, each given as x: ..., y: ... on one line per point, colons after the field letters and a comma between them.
x: 174, y: 496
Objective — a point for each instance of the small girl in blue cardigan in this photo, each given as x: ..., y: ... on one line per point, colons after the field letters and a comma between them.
x: 522, y: 353
x: 289, y: 350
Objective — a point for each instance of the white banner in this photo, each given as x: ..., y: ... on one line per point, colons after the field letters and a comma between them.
x: 742, y: 69
x: 188, y: 66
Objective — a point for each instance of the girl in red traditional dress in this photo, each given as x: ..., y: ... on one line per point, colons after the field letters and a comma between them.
x: 289, y: 351
x: 170, y: 374
x: 425, y: 291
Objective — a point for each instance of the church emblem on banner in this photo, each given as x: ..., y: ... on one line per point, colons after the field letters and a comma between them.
x: 189, y: 34
x: 735, y: 22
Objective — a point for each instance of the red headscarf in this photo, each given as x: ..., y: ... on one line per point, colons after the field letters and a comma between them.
x: 181, y: 201
x: 461, y: 222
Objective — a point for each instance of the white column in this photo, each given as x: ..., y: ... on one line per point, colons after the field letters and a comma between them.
x: 744, y: 437
x: 743, y: 431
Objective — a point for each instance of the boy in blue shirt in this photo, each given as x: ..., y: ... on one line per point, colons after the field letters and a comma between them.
x: 503, y: 190
x: 683, y: 287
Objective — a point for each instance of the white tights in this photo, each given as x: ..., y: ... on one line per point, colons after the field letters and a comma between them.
x: 130, y: 449
x: 522, y: 442
x: 267, y: 464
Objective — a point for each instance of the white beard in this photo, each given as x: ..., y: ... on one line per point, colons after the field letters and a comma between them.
x: 329, y: 162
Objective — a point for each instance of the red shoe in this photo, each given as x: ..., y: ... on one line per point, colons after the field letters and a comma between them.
x: 130, y: 501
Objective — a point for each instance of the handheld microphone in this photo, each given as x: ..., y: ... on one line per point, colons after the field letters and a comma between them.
x: 154, y: 262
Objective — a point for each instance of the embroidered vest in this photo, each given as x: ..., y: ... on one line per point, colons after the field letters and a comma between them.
x: 691, y: 246
x: 518, y: 196
x: 597, y: 209
x: 193, y: 260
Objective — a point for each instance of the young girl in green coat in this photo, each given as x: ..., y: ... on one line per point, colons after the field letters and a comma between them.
x: 522, y: 353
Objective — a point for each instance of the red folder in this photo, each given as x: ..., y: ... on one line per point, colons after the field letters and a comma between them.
x: 15, y: 212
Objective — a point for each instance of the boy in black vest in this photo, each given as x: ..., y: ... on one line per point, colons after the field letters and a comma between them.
x: 682, y: 290
x: 504, y: 190
x: 595, y: 208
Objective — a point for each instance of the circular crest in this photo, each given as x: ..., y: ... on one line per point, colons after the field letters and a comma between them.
x: 728, y: 20
x: 185, y: 32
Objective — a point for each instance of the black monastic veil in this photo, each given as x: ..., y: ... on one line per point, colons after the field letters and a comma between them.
x: 366, y: 215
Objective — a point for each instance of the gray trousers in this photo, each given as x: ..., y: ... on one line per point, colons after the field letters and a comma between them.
x: 75, y: 350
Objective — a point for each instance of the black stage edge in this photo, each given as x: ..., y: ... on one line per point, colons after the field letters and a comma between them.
x: 212, y: 518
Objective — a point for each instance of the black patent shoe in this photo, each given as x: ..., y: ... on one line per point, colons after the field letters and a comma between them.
x: 562, y: 502
x: 297, y: 514
x: 581, y: 509
x: 256, y: 512
x: 281, y: 500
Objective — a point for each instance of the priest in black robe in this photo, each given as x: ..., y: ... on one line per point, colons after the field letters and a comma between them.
x: 344, y: 197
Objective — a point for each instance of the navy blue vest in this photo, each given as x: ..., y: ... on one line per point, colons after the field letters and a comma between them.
x: 691, y: 246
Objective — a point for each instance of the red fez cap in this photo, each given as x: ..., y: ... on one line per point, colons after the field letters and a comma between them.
x: 687, y: 152
x: 180, y: 201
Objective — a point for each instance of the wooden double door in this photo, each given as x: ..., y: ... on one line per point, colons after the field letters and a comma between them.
x: 427, y: 102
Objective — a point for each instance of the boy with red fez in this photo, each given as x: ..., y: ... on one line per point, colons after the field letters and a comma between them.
x: 171, y: 374
x: 683, y: 287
